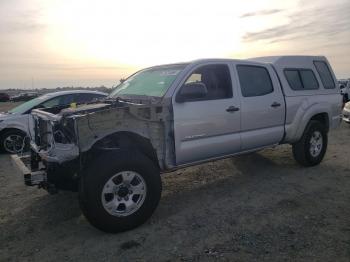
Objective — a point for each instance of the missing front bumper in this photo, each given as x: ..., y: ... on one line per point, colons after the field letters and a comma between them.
x: 31, y: 178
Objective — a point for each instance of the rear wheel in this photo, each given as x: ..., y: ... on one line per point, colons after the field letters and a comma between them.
x: 311, y: 148
x: 13, y: 141
x: 120, y: 191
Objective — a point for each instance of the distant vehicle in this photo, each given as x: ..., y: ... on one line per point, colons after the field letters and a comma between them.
x: 344, y: 86
x: 24, y: 96
x: 4, y: 97
x: 14, y: 123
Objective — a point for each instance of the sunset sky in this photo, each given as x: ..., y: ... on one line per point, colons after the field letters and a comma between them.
x: 92, y: 43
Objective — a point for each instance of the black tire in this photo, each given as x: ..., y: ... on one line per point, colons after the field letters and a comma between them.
x: 13, y: 132
x: 104, y: 168
x: 301, y: 149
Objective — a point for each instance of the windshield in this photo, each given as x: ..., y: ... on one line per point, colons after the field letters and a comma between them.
x: 149, y: 82
x: 22, y: 108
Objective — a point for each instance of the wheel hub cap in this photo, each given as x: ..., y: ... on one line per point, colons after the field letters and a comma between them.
x: 316, y: 144
x: 124, y: 193
x: 13, y: 143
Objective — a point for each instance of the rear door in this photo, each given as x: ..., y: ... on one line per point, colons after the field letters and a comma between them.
x: 208, y: 127
x: 262, y: 106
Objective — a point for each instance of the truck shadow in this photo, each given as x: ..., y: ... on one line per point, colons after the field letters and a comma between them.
x: 241, y: 174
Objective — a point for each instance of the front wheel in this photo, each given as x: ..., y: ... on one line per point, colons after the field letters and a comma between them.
x: 120, y: 191
x: 311, y: 148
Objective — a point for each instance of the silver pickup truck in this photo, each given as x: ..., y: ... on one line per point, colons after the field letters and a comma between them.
x: 173, y: 116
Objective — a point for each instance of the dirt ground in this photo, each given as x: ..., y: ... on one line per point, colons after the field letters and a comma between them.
x: 257, y: 207
x: 5, y: 106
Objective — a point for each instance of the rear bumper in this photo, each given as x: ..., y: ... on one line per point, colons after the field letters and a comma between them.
x: 31, y: 178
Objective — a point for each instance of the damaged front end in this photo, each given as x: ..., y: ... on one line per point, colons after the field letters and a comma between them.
x: 53, y: 161
x: 62, y: 145
x: 53, y: 137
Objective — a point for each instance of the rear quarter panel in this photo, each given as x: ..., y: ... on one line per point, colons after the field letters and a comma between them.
x: 300, y: 109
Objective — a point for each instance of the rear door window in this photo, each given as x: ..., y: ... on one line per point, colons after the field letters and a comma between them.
x: 325, y: 74
x: 254, y: 80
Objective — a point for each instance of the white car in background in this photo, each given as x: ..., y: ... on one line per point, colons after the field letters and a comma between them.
x: 344, y: 86
x: 14, y: 123
x: 346, y: 113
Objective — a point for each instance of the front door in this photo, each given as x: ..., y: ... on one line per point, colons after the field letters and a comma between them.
x: 208, y: 127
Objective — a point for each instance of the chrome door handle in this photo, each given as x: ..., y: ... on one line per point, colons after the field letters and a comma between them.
x: 275, y: 104
x: 232, y: 109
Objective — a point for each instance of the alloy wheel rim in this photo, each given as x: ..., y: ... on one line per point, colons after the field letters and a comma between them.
x: 124, y: 193
x: 13, y: 143
x: 316, y: 144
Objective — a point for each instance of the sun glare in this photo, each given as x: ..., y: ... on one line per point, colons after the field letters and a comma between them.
x: 143, y: 33
x: 95, y: 42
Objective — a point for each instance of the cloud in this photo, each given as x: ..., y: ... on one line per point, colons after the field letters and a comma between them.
x: 22, y: 22
x: 21, y: 26
x: 52, y: 67
x: 262, y: 12
x: 327, y: 23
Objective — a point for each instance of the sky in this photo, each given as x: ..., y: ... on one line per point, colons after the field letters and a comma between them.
x: 56, y: 43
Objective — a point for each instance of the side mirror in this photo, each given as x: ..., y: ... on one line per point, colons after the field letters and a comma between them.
x: 191, y: 91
